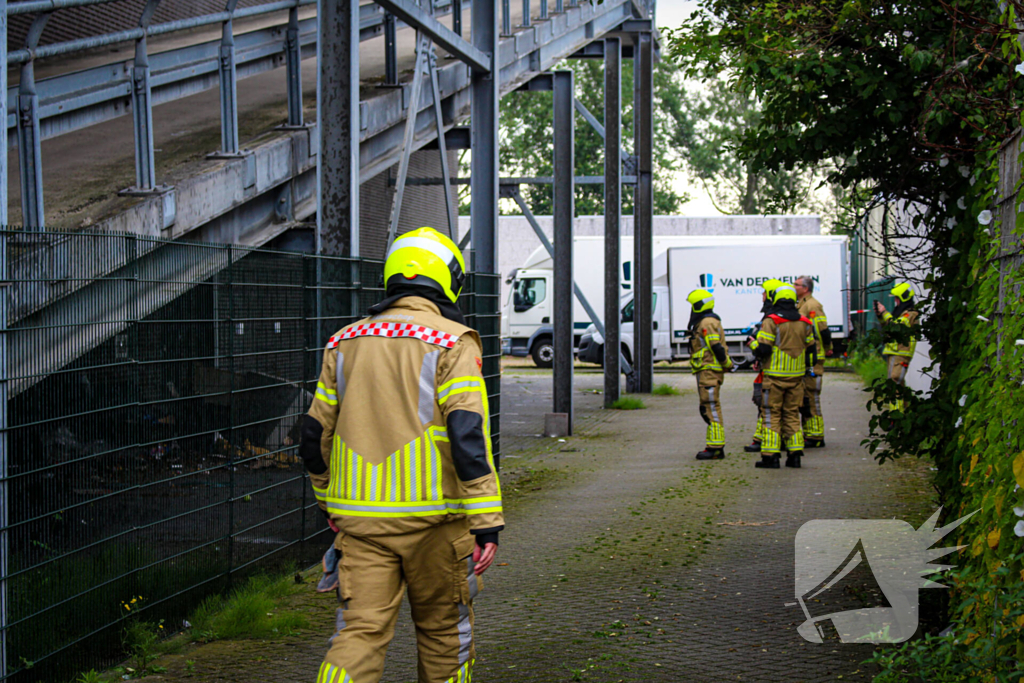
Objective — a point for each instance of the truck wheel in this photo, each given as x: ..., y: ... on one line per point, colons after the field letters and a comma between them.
x: 543, y: 352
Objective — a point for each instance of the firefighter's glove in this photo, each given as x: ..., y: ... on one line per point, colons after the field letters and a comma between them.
x: 329, y: 581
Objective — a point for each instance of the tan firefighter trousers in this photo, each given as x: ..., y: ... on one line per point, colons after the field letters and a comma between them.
x: 781, y: 401
x: 436, y: 564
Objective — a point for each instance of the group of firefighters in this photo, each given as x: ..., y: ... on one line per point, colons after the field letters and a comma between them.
x: 790, y: 346
x: 397, y: 445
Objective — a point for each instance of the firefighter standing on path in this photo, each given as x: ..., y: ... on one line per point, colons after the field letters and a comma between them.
x: 766, y: 307
x: 781, y: 346
x: 397, y: 444
x: 708, y: 361
x: 898, y: 354
x: 811, y: 308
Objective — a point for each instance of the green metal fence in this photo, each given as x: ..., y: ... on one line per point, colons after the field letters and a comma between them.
x: 154, y: 392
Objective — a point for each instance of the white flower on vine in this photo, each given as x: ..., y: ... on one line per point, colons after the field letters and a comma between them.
x: 943, y: 162
x: 965, y: 171
x: 951, y: 223
x: 985, y: 217
x: 954, y: 252
x: 1019, y: 342
x: 974, y: 179
x: 961, y: 204
x: 1019, y: 68
x: 1019, y: 512
x: 963, y: 400
x: 984, y: 320
x: 959, y: 421
x: 1018, y: 528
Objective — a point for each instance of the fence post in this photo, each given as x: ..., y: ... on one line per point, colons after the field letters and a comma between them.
x: 30, y: 151
x: 231, y: 412
x: 3, y: 352
x: 142, y: 117
x: 228, y: 86
x: 526, y: 14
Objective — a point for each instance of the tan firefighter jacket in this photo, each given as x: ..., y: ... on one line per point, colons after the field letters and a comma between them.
x: 812, y: 309
x: 788, y: 341
x: 893, y: 348
x: 406, y: 434
x: 702, y: 341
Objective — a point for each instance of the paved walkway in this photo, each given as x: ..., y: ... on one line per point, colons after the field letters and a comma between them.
x: 625, y: 559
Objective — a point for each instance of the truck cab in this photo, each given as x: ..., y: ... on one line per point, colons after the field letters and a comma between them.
x: 528, y: 330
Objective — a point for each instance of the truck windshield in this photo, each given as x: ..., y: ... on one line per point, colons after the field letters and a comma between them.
x: 529, y: 292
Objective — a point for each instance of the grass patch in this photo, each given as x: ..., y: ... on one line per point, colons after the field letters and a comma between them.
x: 629, y: 403
x: 870, y: 366
x: 250, y: 611
x: 666, y: 390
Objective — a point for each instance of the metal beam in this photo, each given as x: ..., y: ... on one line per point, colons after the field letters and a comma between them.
x: 564, y: 203
x: 592, y: 120
x: 422, y: 47
x: 441, y: 35
x: 612, y: 135
x: 338, y: 123
x: 435, y: 89
x: 485, y: 90
x: 643, y: 212
x: 457, y: 137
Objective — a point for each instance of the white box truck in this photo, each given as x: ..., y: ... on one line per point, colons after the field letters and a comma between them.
x: 734, y: 272
x: 526, y: 324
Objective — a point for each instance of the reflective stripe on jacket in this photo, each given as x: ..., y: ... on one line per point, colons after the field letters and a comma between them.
x: 893, y: 348
x: 789, y: 341
x: 390, y: 387
x: 708, y: 333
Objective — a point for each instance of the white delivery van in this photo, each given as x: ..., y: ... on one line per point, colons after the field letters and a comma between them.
x: 734, y: 273
x: 526, y: 323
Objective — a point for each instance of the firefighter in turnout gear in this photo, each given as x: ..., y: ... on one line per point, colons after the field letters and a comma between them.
x: 811, y: 308
x: 782, y: 346
x: 397, y: 445
x: 768, y: 292
x: 896, y: 353
x: 708, y: 361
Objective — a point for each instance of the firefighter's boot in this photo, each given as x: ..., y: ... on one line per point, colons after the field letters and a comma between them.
x: 711, y: 454
x: 793, y: 458
x: 770, y: 462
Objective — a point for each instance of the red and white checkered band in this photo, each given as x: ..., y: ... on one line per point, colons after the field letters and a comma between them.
x: 394, y: 331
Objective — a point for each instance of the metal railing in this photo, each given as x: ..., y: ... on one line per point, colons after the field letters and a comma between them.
x: 69, y: 102
x: 159, y: 459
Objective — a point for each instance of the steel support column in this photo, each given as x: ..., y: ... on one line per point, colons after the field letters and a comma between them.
x: 293, y: 64
x: 457, y: 17
x: 484, y: 93
x: 506, y: 17
x: 484, y: 142
x: 643, y: 216
x: 564, y: 211
x: 526, y: 14
x: 612, y: 215
x: 337, y: 99
x: 228, y: 87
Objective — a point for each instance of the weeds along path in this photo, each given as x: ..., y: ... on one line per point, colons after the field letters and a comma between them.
x: 625, y: 559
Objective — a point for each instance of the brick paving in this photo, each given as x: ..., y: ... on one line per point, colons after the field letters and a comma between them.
x: 625, y: 559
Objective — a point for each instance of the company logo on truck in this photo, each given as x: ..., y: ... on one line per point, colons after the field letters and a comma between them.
x: 707, y: 281
x: 756, y: 281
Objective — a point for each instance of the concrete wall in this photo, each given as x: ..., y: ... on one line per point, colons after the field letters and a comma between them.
x: 516, y: 239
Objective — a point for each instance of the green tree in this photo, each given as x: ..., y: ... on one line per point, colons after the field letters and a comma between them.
x: 527, y: 147
x: 722, y: 114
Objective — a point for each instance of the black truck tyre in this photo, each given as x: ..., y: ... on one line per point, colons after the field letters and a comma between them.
x: 543, y: 352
